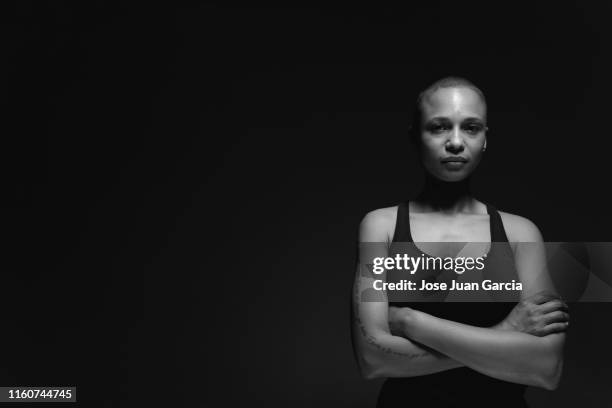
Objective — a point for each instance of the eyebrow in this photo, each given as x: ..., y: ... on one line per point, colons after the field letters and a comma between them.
x: 473, y: 120
x: 445, y: 119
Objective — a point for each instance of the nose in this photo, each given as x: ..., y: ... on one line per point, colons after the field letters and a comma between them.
x: 454, y: 144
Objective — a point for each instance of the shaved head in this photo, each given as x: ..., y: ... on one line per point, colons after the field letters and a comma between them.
x: 447, y: 82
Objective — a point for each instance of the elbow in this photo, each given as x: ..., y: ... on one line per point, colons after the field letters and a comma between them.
x: 370, y: 368
x: 369, y: 374
x: 372, y: 373
x: 549, y: 383
x: 551, y: 366
x: 550, y: 378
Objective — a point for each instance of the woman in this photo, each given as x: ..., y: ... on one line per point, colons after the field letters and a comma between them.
x: 457, y: 354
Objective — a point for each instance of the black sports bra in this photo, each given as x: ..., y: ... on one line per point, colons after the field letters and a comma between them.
x: 498, y: 262
x: 459, y: 387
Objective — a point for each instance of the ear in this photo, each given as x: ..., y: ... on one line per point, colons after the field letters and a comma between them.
x: 484, y: 147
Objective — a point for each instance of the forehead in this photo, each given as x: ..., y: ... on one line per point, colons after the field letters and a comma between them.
x: 455, y: 102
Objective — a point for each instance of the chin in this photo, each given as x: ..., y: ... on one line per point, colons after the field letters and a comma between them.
x: 451, y: 177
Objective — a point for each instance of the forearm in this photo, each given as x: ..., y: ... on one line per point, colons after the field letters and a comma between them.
x: 503, y: 354
x: 385, y: 355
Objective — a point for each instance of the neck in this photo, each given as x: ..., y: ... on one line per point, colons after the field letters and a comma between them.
x: 452, y: 197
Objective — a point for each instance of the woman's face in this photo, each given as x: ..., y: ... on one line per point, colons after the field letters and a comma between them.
x: 452, y: 132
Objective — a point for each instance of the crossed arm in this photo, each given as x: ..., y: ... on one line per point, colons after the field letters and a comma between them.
x: 391, y: 342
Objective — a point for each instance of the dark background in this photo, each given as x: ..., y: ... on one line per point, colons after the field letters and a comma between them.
x: 183, y: 184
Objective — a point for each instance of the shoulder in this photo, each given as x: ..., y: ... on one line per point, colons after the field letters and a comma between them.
x: 520, y: 229
x: 378, y: 225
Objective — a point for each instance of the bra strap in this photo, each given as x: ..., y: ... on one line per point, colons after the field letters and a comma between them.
x: 498, y: 233
x: 402, y: 224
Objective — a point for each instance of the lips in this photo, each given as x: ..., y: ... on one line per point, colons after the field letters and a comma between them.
x: 454, y: 159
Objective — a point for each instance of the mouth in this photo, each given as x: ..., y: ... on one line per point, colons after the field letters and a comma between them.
x: 454, y: 159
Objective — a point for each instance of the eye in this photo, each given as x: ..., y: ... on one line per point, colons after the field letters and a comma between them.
x: 437, y: 128
x: 473, y: 128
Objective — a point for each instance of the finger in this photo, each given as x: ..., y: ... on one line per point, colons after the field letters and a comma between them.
x: 553, y: 328
x: 392, y: 312
x: 553, y: 305
x: 542, y: 297
x: 556, y: 317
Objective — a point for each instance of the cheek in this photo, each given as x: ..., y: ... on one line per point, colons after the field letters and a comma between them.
x: 429, y: 149
x: 430, y: 158
x: 476, y: 147
x: 476, y: 151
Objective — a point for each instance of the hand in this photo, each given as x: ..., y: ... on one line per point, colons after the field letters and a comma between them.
x: 539, y: 315
x: 400, y: 319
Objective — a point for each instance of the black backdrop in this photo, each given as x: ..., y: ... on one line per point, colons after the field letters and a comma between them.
x: 183, y: 184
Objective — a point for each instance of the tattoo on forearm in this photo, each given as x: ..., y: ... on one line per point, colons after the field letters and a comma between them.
x: 370, y: 339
